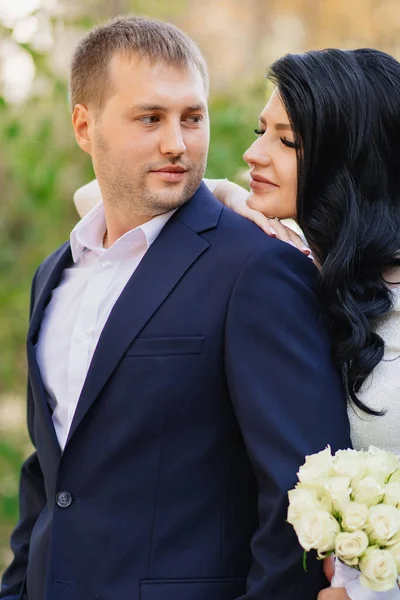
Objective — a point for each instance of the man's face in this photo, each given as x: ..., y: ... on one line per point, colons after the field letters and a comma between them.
x: 149, y: 144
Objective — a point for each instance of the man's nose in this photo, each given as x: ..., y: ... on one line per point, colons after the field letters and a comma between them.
x: 172, y: 141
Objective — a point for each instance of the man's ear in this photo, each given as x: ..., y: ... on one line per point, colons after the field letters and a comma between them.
x: 81, y: 122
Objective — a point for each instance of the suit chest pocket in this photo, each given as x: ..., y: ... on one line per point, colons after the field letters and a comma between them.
x: 166, y: 346
x: 192, y: 589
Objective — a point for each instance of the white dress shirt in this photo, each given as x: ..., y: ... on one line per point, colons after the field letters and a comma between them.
x: 80, y: 306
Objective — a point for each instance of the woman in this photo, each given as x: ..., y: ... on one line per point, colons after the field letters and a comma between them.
x: 326, y: 155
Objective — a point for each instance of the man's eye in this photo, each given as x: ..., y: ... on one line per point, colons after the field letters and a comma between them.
x: 194, y: 118
x: 149, y: 120
x: 259, y: 132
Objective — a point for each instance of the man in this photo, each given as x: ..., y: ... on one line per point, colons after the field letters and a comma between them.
x: 179, y: 365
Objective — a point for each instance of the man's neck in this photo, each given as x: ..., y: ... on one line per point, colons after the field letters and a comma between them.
x: 118, y: 223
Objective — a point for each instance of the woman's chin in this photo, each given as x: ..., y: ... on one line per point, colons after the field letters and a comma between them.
x: 269, y: 206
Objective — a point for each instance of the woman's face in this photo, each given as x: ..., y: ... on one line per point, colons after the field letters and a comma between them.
x: 273, y: 164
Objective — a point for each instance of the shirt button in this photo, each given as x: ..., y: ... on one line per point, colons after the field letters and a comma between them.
x: 106, y: 265
x: 64, y: 499
x: 82, y: 335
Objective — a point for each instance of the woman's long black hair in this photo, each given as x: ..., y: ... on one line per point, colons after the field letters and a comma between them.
x: 344, y: 107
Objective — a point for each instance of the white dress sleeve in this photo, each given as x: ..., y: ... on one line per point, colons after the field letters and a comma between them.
x: 212, y: 183
x: 348, y: 578
x: 86, y: 197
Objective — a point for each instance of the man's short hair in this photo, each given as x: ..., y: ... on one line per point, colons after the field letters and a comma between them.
x: 128, y: 36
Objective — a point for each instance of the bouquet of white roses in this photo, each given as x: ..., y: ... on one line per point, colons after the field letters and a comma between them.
x: 349, y: 504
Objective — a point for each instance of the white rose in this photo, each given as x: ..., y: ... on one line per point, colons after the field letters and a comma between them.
x: 395, y: 477
x: 354, y: 516
x: 301, y: 499
x: 383, y: 523
x: 381, y: 464
x: 350, y: 463
x: 317, y: 529
x: 304, y: 498
x: 392, y: 494
x: 339, y: 490
x: 394, y: 540
x: 395, y: 552
x: 368, y: 491
x: 316, y: 468
x: 350, y: 546
x: 324, y: 500
x: 378, y: 570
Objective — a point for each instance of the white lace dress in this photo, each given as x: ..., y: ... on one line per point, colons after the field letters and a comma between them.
x: 381, y: 391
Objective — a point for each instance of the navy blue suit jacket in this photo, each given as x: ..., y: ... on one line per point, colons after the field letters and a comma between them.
x: 211, y: 381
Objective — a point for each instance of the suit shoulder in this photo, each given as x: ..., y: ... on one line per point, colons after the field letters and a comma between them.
x: 245, y: 233
x: 252, y: 245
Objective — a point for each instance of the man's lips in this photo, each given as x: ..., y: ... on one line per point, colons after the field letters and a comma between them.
x: 170, y: 169
x: 261, y: 184
x: 170, y: 174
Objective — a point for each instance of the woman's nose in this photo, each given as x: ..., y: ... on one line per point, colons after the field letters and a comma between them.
x: 257, y: 153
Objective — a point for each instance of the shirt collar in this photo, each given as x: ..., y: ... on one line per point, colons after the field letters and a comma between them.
x: 89, y: 232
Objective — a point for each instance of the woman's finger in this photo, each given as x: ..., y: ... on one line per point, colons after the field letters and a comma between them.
x: 298, y: 242
x: 281, y: 231
x: 258, y: 218
x: 286, y: 234
x: 329, y: 567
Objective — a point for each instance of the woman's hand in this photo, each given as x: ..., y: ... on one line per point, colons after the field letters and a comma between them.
x: 235, y: 197
x: 329, y: 567
x: 331, y: 593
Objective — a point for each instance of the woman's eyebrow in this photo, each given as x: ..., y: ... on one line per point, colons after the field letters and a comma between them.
x: 277, y: 126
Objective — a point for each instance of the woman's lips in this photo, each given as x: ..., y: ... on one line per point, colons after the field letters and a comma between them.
x: 262, y: 186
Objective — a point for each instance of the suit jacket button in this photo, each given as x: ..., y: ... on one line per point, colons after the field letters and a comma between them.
x: 64, y: 499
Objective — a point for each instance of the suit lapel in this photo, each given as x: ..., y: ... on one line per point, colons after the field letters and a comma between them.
x: 46, y: 280
x: 48, y: 433
x: 175, y: 250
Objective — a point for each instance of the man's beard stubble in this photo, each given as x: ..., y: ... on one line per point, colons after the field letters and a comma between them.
x: 127, y: 190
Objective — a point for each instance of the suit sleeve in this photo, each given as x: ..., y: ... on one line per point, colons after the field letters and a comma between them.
x: 289, y: 401
x: 32, y: 499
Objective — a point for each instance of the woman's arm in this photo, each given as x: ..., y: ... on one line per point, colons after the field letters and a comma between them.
x: 227, y: 192
x: 86, y: 197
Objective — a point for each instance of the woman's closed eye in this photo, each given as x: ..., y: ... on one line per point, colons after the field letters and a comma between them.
x: 284, y: 140
x: 288, y: 143
x: 259, y: 132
